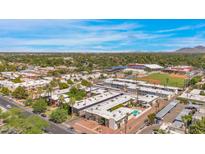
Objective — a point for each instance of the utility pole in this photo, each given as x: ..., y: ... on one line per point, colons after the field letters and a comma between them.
x: 126, y: 121
x: 137, y: 91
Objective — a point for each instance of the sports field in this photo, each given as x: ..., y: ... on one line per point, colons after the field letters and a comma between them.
x: 165, y: 79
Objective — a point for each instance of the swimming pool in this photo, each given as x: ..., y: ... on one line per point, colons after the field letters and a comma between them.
x: 135, y: 112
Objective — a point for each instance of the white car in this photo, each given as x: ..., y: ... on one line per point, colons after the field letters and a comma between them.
x: 8, y: 106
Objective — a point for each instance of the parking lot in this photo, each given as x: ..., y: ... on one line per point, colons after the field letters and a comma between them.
x: 168, y: 118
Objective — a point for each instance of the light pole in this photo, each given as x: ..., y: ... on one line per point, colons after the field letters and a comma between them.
x: 137, y: 91
x: 126, y: 121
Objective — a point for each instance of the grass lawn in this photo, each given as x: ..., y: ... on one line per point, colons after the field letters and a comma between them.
x: 164, y: 79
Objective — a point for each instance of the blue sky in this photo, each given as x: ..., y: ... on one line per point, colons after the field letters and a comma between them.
x: 100, y: 35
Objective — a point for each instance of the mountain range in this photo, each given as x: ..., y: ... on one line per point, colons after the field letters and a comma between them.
x: 197, y: 49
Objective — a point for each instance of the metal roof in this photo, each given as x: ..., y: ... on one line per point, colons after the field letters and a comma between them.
x: 181, y: 114
x: 166, y: 109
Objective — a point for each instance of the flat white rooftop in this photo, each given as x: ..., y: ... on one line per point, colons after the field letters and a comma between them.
x: 103, y: 109
x: 139, y: 83
x: 57, y: 92
x: 95, y: 99
x: 154, y: 66
x: 159, y: 86
x: 196, y: 91
x: 156, y: 91
x: 194, y: 97
x: 150, y: 88
x: 147, y: 98
x: 110, y: 80
x: 28, y: 83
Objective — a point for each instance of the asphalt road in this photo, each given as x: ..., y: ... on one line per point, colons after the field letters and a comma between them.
x: 52, y: 129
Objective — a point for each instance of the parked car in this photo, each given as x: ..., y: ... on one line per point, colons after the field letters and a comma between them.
x: 8, y: 106
x: 43, y: 115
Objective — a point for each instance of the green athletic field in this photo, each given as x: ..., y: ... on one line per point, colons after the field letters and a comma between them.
x: 164, y: 79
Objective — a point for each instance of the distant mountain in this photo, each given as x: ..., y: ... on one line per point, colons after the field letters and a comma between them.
x: 197, y: 49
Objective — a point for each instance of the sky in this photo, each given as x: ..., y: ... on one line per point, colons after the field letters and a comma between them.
x: 100, y: 35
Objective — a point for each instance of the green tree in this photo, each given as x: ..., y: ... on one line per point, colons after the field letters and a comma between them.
x: 151, y: 118
x: 54, y: 83
x: 16, y: 122
x: 167, y: 81
x: 49, y: 90
x: 203, y: 86
x: 71, y: 103
x: 76, y: 93
x: 39, y: 91
x: 34, y: 125
x: 66, y: 107
x: 17, y: 80
x: 202, y: 93
x: 195, y: 80
x: 128, y: 72
x: 28, y: 102
x: 63, y: 85
x: 159, y: 131
x: 5, y: 91
x: 39, y: 106
x: 197, y: 127
x: 20, y: 93
x: 61, y: 99
x: 183, y: 101
x: 59, y: 115
x: 86, y: 83
x: 69, y: 81
x: 187, y: 119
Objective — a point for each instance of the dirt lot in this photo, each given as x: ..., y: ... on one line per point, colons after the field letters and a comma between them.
x: 179, y: 76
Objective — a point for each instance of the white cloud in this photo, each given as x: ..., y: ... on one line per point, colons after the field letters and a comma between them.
x: 174, y: 29
x: 181, y: 28
x: 176, y: 43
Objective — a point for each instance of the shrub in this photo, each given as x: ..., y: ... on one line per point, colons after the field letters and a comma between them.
x: 5, y: 91
x: 59, y: 115
x: 63, y: 85
x: 20, y: 93
x: 39, y: 106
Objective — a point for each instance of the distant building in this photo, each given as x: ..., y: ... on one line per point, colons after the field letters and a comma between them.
x: 179, y: 69
x: 138, y: 72
x: 103, y: 113
x: 149, y: 67
x: 113, y: 112
x: 29, y: 84
x: 116, y: 68
x: 200, y: 113
x: 10, y: 75
x: 88, y: 102
x: 193, y: 96
x: 142, y: 87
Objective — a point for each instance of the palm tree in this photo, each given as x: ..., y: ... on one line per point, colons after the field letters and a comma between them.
x: 167, y: 80
x: 71, y: 102
x: 157, y: 105
x: 49, y: 90
x: 39, y: 91
x: 61, y: 99
x: 31, y: 94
